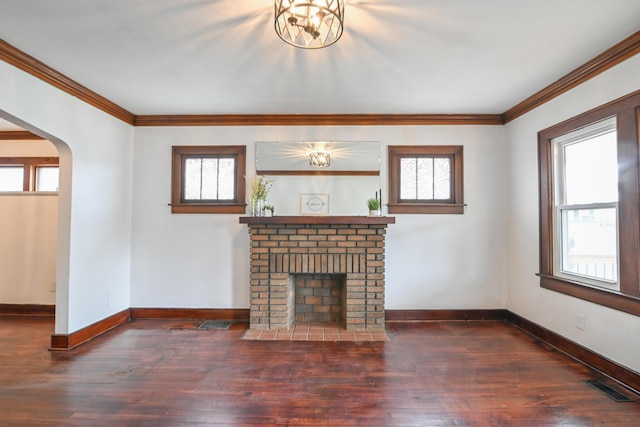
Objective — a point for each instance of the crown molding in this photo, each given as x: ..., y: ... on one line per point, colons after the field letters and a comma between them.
x: 18, y: 135
x: 29, y: 64
x: 318, y: 119
x: 607, y: 59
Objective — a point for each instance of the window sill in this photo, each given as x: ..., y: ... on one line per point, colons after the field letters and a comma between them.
x: 28, y: 193
x: 608, y: 298
x: 229, y: 208
x: 426, y: 208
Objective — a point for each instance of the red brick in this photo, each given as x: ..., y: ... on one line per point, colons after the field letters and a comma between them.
x: 347, y: 231
x: 256, y: 237
x: 326, y: 231
x: 366, y: 244
x: 307, y: 244
x: 348, y: 244
x: 288, y: 244
x: 327, y: 244
x: 298, y: 238
x: 267, y: 231
x: 298, y: 250
x: 318, y: 238
x: 357, y: 238
x: 268, y: 244
x: 317, y: 251
x: 366, y: 231
x: 337, y: 251
x: 279, y: 238
x: 307, y: 231
x: 287, y: 230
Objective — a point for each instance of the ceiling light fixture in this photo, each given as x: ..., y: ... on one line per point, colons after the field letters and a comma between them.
x: 309, y: 24
x: 319, y: 159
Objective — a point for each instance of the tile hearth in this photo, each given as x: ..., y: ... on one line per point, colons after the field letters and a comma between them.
x: 310, y: 331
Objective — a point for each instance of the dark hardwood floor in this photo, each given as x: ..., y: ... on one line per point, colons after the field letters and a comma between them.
x: 167, y: 373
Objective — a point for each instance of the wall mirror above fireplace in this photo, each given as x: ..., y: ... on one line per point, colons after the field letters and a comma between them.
x: 344, y: 173
x: 318, y: 158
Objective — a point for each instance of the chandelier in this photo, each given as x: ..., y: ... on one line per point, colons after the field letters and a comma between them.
x: 309, y: 24
x: 319, y: 159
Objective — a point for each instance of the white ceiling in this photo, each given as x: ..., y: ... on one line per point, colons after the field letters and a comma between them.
x: 395, y: 56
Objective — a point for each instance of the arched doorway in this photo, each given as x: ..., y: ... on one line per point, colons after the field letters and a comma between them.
x: 36, y: 224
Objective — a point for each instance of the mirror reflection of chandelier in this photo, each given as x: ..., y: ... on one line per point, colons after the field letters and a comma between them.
x: 319, y: 159
x: 309, y: 24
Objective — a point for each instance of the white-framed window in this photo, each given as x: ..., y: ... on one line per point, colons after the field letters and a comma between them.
x: 11, y: 178
x: 585, y: 221
x: 47, y: 178
x: 25, y: 174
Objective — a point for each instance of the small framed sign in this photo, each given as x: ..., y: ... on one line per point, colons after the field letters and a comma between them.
x: 314, y: 204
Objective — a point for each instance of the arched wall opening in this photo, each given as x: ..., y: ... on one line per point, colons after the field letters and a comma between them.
x: 61, y: 234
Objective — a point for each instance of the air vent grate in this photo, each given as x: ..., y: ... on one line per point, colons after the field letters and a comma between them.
x: 215, y: 324
x: 609, y: 391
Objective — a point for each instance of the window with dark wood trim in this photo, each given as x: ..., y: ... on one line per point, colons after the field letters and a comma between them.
x: 626, y: 296
x: 208, y: 179
x: 27, y: 168
x: 425, y: 179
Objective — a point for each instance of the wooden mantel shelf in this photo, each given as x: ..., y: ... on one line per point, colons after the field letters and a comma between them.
x: 326, y: 219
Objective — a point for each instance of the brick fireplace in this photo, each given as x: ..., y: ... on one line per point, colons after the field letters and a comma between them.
x: 317, y: 268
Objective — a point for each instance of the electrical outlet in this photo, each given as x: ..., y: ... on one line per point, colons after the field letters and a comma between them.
x: 580, y: 321
x: 52, y: 286
x: 107, y: 300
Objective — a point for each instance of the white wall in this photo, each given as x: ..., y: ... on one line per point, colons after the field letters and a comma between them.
x: 608, y: 332
x: 28, y: 226
x: 433, y: 261
x: 94, y: 217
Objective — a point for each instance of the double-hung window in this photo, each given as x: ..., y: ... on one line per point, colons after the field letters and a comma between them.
x: 208, y: 179
x: 585, y: 222
x: 589, y: 170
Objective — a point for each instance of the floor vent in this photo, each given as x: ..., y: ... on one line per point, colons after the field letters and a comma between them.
x: 215, y: 324
x: 612, y: 393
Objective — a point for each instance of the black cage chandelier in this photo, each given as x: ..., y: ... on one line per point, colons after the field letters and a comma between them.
x: 309, y: 24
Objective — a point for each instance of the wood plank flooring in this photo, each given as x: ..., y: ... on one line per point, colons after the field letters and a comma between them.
x: 168, y: 373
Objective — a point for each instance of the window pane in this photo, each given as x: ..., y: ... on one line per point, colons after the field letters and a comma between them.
x: 209, y: 179
x: 425, y: 178
x: 589, y: 243
x: 408, y: 178
x: 442, y: 179
x: 192, y: 179
x: 591, y: 170
x: 227, y: 179
x: 47, y: 178
x: 11, y: 178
